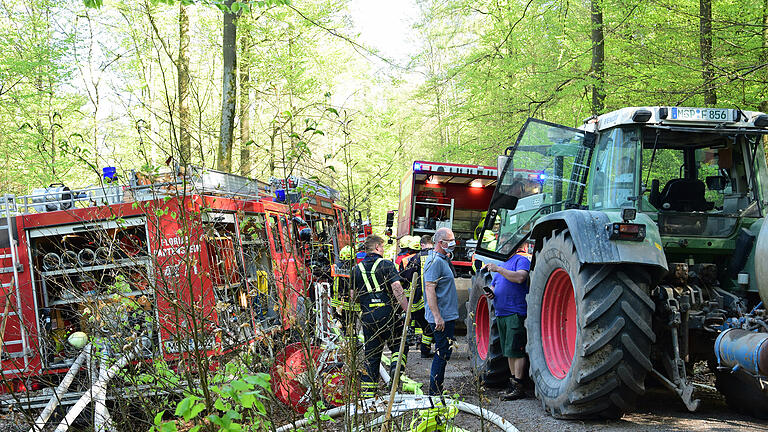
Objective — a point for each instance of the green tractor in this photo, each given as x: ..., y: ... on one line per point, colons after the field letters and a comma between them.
x: 650, y: 253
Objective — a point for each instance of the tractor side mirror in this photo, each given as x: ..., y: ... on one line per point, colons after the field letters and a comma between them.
x: 390, y: 219
x: 716, y: 183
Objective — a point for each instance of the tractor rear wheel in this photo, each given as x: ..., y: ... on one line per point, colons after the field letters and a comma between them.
x: 742, y: 393
x: 589, y: 332
x: 483, y: 340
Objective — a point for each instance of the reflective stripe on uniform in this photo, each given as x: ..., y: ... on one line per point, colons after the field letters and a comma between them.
x: 336, y: 294
x: 426, y: 340
x: 396, y: 356
x: 368, y: 389
x: 418, y: 305
x: 374, y: 286
x: 423, y: 261
x: 375, y: 304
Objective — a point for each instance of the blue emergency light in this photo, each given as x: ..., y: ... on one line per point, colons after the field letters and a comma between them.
x: 109, y: 174
x: 280, y: 195
x: 416, y: 166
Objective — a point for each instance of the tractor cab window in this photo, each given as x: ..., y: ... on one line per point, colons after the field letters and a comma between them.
x: 700, y: 184
x: 666, y: 164
x: 545, y: 173
x: 713, y: 177
x: 706, y: 173
x: 614, y: 169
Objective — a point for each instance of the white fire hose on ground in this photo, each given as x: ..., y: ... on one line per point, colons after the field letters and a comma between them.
x: 404, y: 403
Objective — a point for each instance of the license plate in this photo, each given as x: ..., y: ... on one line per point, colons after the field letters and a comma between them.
x: 716, y: 115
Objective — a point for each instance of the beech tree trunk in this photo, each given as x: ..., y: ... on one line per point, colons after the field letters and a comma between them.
x: 182, y: 65
x: 598, y: 58
x: 764, y: 56
x: 245, y: 106
x: 705, y: 43
x: 229, y: 89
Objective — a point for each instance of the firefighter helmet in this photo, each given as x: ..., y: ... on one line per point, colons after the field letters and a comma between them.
x: 406, y: 242
x: 305, y: 234
x: 345, y: 253
x: 78, y: 339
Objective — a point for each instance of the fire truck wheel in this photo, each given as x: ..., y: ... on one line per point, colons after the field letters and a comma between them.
x: 485, y: 353
x: 589, y: 332
x: 742, y: 393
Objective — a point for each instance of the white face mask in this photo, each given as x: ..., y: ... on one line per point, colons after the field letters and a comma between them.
x: 451, y: 245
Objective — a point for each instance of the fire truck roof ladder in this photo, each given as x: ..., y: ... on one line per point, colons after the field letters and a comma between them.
x: 200, y: 181
x: 306, y: 185
x: 194, y: 180
x: 7, y: 204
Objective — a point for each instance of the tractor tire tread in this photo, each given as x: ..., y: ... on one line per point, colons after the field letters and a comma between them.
x: 606, y: 337
x: 606, y: 305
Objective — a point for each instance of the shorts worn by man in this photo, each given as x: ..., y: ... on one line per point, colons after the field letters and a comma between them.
x: 510, y: 287
x: 442, y: 309
x: 376, y: 286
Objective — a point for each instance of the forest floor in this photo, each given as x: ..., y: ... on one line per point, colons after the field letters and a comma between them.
x: 658, y: 410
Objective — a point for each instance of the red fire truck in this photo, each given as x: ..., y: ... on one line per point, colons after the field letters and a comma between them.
x: 437, y: 194
x: 202, y: 259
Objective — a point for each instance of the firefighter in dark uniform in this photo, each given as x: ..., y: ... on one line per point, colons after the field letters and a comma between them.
x: 376, y: 286
x: 417, y: 309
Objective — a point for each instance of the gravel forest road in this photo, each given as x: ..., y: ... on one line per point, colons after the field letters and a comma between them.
x: 658, y: 410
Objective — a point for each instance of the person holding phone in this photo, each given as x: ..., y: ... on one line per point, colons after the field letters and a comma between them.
x: 508, y: 289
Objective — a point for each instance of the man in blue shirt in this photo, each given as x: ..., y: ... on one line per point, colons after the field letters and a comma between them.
x: 442, y: 304
x: 510, y: 285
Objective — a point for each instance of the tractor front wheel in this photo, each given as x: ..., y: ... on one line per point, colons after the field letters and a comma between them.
x: 483, y: 335
x: 589, y: 332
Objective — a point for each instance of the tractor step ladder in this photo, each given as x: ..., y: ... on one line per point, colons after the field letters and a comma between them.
x: 12, y: 329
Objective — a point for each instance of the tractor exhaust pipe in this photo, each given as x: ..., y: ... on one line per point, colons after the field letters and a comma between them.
x: 742, y: 349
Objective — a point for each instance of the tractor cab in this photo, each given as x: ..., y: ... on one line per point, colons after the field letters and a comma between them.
x: 692, y: 175
x: 693, y: 180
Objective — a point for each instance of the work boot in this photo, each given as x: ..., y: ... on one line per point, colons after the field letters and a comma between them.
x: 515, y: 392
x: 426, y: 351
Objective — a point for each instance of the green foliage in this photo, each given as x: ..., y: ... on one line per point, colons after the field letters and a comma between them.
x: 238, y: 401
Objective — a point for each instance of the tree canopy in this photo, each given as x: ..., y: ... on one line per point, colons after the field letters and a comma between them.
x: 88, y: 83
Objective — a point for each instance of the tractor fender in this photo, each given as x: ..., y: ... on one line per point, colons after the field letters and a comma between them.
x: 592, y: 242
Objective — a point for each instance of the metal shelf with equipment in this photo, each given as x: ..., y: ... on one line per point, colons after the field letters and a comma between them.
x: 95, y: 283
x: 429, y: 216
